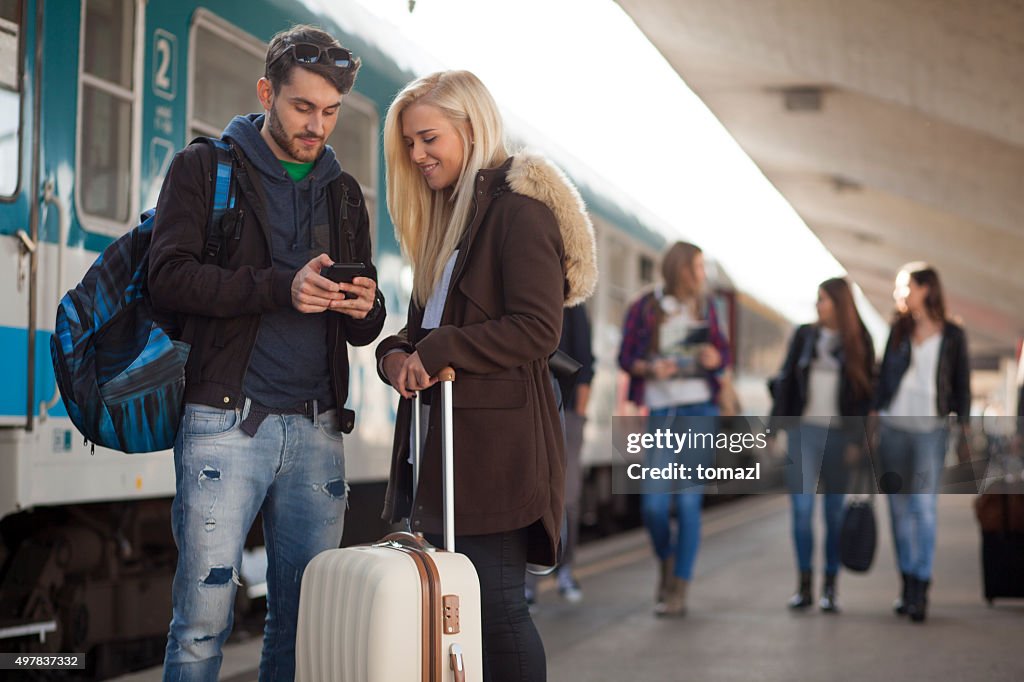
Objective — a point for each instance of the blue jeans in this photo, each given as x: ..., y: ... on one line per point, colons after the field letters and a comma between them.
x: 657, y: 506
x: 293, y: 471
x: 816, y: 452
x: 916, y: 458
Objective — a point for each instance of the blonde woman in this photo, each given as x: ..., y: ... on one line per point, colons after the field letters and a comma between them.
x: 498, y: 245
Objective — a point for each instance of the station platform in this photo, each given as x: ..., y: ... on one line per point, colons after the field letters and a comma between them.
x: 738, y: 627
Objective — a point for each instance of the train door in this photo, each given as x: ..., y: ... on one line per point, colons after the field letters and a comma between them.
x: 15, y: 222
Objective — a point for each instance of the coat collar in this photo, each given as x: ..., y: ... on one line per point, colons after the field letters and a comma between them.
x: 534, y: 176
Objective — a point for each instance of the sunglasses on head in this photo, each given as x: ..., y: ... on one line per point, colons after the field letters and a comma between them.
x: 308, y: 53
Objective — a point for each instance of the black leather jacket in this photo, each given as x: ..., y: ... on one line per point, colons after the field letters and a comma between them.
x: 953, y: 376
x: 789, y: 388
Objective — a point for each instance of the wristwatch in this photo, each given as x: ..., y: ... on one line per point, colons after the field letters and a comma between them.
x: 378, y: 305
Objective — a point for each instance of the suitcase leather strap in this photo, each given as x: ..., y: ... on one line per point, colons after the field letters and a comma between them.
x: 430, y: 588
x: 408, y: 540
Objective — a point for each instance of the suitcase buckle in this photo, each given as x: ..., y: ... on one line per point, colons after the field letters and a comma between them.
x: 450, y: 612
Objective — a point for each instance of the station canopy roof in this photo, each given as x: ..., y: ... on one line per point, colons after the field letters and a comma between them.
x: 895, y: 128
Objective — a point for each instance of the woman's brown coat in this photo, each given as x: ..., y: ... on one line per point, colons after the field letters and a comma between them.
x: 528, y: 251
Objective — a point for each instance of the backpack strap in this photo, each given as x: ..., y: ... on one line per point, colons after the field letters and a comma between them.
x: 339, y: 197
x: 223, y: 217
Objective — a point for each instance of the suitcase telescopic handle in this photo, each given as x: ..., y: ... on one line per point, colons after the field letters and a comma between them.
x: 447, y: 378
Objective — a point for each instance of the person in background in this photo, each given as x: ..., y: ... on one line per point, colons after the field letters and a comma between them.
x: 1019, y: 438
x: 821, y: 396
x: 674, y: 351
x: 499, y: 244
x: 924, y: 377
x: 576, y: 343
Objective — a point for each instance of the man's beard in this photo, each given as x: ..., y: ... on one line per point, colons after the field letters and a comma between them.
x: 291, y: 145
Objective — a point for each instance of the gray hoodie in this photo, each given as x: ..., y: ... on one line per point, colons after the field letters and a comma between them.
x: 289, y: 362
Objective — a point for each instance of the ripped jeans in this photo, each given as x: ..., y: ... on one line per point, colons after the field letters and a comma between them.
x: 293, y: 471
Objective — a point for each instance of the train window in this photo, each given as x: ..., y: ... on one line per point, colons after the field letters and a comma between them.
x: 226, y: 64
x: 646, y: 270
x: 615, y: 280
x: 354, y: 140
x: 107, y: 101
x: 616, y: 266
x: 10, y: 96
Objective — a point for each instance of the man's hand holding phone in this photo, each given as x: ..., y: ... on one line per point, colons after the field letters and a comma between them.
x: 311, y: 291
x: 323, y: 285
x: 359, y: 292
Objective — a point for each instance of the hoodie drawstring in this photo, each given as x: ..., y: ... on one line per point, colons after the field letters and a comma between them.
x: 312, y: 210
x: 295, y: 217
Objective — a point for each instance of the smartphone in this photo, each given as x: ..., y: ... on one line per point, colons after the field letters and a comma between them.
x: 344, y: 272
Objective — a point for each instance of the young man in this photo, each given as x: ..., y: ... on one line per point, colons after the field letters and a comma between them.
x: 267, y: 376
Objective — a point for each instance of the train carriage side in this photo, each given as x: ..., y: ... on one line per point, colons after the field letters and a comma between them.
x: 151, y: 76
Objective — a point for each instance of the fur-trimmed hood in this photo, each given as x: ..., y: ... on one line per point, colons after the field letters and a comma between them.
x: 534, y: 176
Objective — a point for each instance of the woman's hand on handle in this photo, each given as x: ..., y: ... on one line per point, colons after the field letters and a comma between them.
x: 406, y: 373
x: 416, y: 376
x: 393, y: 364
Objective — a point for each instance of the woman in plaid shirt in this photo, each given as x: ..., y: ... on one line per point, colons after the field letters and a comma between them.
x: 674, y: 351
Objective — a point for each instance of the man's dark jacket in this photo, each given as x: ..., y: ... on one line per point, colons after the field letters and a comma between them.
x: 220, y: 304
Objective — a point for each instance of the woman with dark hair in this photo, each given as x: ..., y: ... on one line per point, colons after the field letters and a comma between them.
x: 825, y: 389
x: 925, y: 377
x: 674, y: 352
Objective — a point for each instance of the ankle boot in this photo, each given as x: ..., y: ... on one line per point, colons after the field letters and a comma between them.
x: 899, y: 606
x: 803, y: 598
x: 918, y: 607
x: 828, y: 601
x: 666, y: 571
x: 675, y: 599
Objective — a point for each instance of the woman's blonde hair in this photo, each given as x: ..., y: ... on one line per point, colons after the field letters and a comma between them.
x: 430, y: 224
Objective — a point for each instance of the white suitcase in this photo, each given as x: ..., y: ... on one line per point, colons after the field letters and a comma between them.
x: 395, y: 611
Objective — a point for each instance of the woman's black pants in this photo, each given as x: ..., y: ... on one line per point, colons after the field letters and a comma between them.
x: 513, y: 651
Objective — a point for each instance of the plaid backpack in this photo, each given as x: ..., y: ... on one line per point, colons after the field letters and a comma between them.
x: 118, y: 366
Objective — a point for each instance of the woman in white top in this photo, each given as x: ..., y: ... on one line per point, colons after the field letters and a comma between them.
x: 925, y: 377
x: 821, y: 397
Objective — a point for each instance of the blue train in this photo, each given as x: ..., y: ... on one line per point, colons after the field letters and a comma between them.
x: 95, y: 98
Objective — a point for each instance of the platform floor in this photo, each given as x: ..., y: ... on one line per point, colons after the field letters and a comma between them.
x: 738, y: 628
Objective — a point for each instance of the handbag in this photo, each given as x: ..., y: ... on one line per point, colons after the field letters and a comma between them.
x: 859, y: 533
x: 565, y: 370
